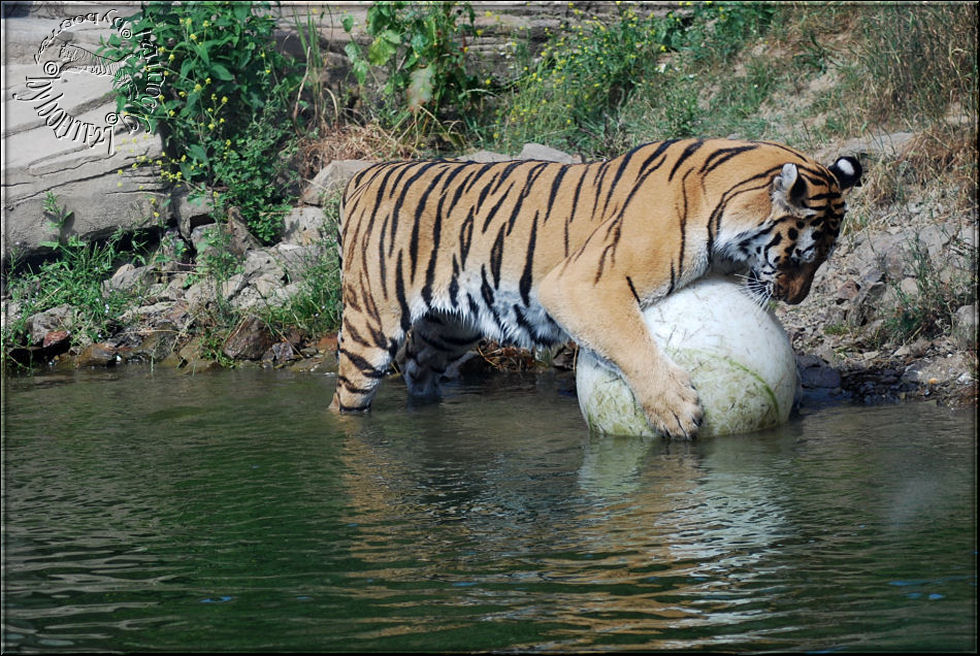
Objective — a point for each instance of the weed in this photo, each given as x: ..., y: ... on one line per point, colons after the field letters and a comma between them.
x: 315, y: 307
x: 420, y: 51
x: 73, y: 275
x: 940, y: 290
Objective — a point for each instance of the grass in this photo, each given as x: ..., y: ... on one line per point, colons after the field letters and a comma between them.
x: 942, y: 286
x: 314, y: 309
x: 73, y: 275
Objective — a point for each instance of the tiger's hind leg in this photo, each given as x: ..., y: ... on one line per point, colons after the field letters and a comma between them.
x: 436, y: 345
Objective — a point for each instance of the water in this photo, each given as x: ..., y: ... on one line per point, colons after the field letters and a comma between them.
x: 229, y: 511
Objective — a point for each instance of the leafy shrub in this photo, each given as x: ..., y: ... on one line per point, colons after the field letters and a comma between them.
x: 222, y: 103
x: 419, y: 51
x: 575, y: 93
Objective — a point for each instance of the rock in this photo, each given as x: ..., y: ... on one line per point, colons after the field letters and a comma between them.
x: 55, y: 319
x: 240, y: 240
x: 62, y: 136
x: 936, y: 370
x: 879, y: 146
x: 99, y: 354
x: 56, y: 338
x: 964, y: 331
x: 280, y: 353
x: 191, y: 360
x: 331, y: 179
x: 128, y: 277
x: 249, y: 340
x: 485, y: 157
x: 191, y: 214
x: 156, y: 343
x: 546, y: 153
x: 864, y: 306
x: 848, y: 291
x: 304, y: 226
x: 815, y: 373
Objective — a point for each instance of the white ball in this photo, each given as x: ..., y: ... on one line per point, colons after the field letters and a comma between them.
x: 739, y: 357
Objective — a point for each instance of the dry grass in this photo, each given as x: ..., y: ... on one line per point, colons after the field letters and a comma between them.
x: 352, y: 142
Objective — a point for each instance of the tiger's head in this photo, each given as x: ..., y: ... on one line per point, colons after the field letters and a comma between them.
x: 806, y: 209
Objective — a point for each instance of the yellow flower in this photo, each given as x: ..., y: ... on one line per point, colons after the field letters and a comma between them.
x: 207, y: 81
x: 197, y: 87
x: 170, y: 58
x: 193, y: 37
x: 211, y: 125
x: 156, y: 215
x: 224, y: 99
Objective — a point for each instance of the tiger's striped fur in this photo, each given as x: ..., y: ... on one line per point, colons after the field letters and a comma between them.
x: 437, y: 254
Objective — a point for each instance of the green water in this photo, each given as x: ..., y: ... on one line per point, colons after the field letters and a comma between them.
x: 229, y: 511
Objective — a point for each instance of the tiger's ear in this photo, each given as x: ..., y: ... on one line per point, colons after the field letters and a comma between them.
x: 789, y: 188
x: 848, y: 172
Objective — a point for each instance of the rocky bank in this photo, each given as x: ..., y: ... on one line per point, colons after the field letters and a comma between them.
x: 839, y: 333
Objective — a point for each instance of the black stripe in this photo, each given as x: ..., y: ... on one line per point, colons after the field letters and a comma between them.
x: 453, y: 284
x: 690, y: 150
x: 525, y: 284
x: 619, y: 174
x: 413, y: 246
x: 493, y: 211
x: 497, y: 256
x: 466, y: 236
x: 423, y: 168
x: 533, y: 176
x: 629, y: 281
x: 555, y: 184
x: 350, y: 387
x: 364, y: 367
x: 406, y: 320
x: 485, y: 289
x: 722, y: 155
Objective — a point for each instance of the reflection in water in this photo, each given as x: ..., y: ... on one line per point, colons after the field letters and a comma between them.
x: 231, y: 511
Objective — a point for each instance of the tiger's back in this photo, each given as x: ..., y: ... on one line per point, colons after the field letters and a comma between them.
x: 437, y: 254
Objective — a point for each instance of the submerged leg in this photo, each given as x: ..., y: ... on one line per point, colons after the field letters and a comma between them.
x: 435, y: 347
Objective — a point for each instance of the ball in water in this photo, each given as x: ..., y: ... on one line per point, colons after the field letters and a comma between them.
x: 738, y: 356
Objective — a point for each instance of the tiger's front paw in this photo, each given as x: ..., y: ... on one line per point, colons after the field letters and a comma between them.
x: 674, y: 411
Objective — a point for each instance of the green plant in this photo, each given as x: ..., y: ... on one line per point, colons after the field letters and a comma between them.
x: 73, y: 275
x: 419, y: 49
x: 940, y: 289
x: 254, y: 169
x: 315, y: 307
x: 223, y: 93
x: 601, y: 81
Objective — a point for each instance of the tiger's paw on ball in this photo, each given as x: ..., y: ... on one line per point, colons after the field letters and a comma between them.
x: 737, y: 355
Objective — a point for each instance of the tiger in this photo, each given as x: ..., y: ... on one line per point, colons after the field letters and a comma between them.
x: 438, y: 254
